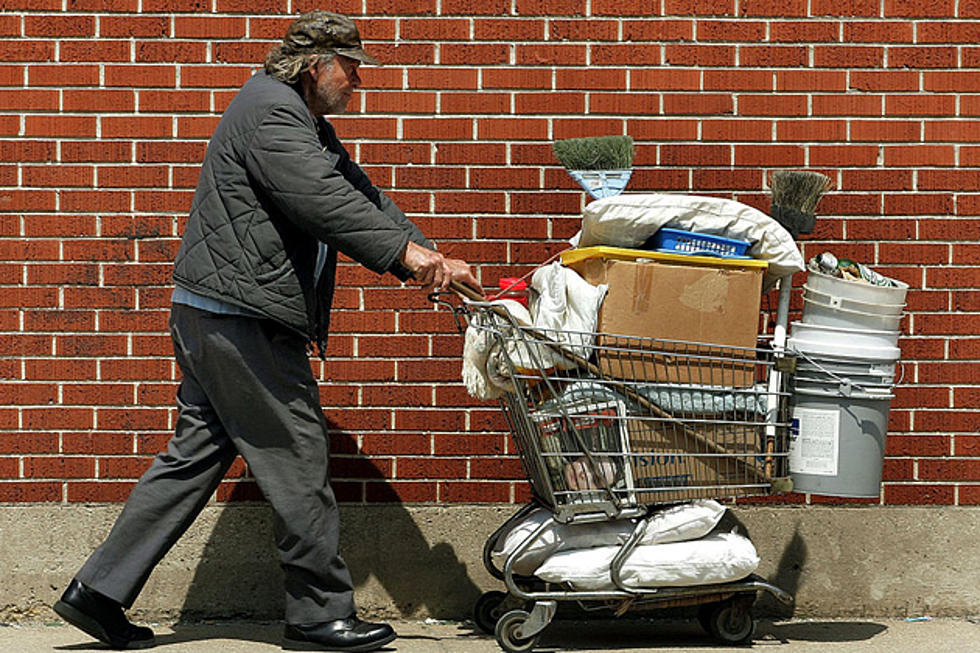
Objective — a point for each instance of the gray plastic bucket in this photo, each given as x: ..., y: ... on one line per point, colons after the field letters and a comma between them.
x: 837, y: 444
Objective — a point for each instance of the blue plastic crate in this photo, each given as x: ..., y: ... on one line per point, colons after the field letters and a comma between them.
x: 679, y: 241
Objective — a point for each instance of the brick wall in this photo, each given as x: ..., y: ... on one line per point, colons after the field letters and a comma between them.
x: 106, y: 107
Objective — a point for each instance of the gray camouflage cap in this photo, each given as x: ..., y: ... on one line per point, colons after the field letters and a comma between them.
x: 322, y: 31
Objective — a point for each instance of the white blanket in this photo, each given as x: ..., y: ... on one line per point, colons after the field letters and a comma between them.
x: 566, y: 307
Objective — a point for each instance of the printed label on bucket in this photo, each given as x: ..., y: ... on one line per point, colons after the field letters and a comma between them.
x: 814, y: 441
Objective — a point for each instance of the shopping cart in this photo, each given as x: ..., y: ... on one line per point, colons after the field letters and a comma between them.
x: 611, y: 428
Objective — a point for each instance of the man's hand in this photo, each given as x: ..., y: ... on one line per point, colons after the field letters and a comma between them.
x: 432, y: 270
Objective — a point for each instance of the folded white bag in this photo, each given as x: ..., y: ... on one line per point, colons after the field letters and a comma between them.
x: 718, y: 558
x: 685, y: 521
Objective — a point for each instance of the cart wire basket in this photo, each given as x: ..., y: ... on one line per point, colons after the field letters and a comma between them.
x: 611, y: 427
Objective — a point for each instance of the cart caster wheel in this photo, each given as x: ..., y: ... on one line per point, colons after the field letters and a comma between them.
x: 506, y: 632
x: 487, y: 611
x: 730, y: 621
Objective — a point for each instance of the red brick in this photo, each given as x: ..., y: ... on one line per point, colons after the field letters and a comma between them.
x: 847, y: 56
x: 885, y: 130
x: 186, y: 52
x: 663, y: 129
x: 94, y: 50
x: 769, y: 155
x: 698, y: 7
x: 811, y: 80
x: 211, y: 27
x: 140, y: 76
x: 134, y: 26
x: 129, y: 6
x: 907, y: 9
x: 876, y: 180
x: 57, y: 418
x: 27, y: 51
x: 768, y: 105
x: 63, y: 126
x: 737, y: 80
x: 848, y: 105
x: 922, y: 57
x: 63, y: 75
x: 21, y: 442
x: 92, y: 100
x: 913, y: 205
x: 919, y: 494
x: 919, y: 155
x: 59, y: 467
x: 695, y: 55
x: 71, y: 25
x: 953, y: 81
x: 251, y: 6
x: 28, y: 100
x: 61, y: 177
x: 810, y: 130
x: 23, y: 492
x: 773, y: 56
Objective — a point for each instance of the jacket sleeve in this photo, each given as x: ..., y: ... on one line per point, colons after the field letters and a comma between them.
x: 302, y: 185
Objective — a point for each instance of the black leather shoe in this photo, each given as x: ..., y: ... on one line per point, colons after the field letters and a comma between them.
x: 101, y: 617
x: 350, y: 634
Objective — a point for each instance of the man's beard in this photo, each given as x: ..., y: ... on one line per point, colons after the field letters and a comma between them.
x: 334, y: 101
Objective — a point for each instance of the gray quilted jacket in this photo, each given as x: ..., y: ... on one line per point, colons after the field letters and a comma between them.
x: 273, y: 183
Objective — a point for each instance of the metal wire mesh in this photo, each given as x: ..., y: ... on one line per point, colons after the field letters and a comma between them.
x: 615, y: 422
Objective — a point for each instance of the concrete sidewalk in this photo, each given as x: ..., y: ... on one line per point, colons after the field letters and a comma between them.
x: 632, y: 636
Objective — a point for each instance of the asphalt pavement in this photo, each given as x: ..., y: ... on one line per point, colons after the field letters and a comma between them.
x: 618, y: 636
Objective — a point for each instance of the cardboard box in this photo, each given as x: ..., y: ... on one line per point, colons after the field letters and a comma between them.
x: 668, y: 466
x: 716, y: 304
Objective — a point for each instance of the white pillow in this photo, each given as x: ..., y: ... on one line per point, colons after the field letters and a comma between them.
x: 628, y: 220
x: 719, y: 558
x: 685, y: 521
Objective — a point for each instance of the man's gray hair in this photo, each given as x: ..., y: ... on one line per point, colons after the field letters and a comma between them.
x: 288, y: 67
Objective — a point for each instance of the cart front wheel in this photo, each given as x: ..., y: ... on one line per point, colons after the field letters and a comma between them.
x: 730, y: 621
x: 506, y: 631
x: 487, y: 611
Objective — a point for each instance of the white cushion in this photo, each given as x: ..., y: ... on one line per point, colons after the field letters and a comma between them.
x: 718, y: 558
x: 685, y: 521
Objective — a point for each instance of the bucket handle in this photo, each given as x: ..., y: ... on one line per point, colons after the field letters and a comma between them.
x: 846, y: 385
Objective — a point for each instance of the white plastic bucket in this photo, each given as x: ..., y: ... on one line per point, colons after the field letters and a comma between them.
x: 860, y: 291
x: 849, y: 340
x: 837, y: 444
x: 815, y: 312
x: 849, y: 304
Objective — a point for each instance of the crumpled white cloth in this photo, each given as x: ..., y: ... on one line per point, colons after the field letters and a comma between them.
x: 566, y: 309
x: 629, y: 219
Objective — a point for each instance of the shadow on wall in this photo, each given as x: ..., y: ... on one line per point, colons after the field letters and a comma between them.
x: 789, y: 569
x: 390, y: 559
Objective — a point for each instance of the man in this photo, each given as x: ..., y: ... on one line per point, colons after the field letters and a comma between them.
x: 278, y: 197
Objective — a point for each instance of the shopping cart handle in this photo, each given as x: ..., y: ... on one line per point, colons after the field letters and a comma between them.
x: 466, y: 291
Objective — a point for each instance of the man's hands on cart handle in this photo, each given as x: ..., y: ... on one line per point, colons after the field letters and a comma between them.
x: 434, y: 271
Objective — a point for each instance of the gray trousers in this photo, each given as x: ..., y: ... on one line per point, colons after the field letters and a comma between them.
x: 247, y: 389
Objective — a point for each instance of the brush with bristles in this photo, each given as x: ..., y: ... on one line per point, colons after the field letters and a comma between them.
x: 595, y: 153
x: 795, y: 194
x: 602, y: 165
